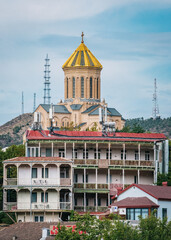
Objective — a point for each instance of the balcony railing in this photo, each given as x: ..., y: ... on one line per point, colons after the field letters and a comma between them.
x: 91, y: 185
x: 90, y: 208
x: 11, y: 181
x: 65, y: 181
x: 102, y: 186
x: 10, y: 206
x: 141, y: 163
x: 65, y: 205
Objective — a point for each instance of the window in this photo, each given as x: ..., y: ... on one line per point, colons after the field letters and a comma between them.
x: 95, y: 154
x: 33, y: 152
x: 91, y: 83
x: 44, y: 195
x: 97, y: 88
x: 82, y: 87
x: 147, y: 155
x: 135, y: 180
x: 39, y: 219
x: 107, y: 154
x: 36, y: 218
x: 67, y: 87
x: 64, y: 172
x: 134, y: 213
x: 46, y: 172
x: 61, y: 153
x: 75, y: 178
x: 48, y: 152
x: 86, y: 201
x: 34, y: 197
x: 136, y: 155
x: 34, y: 172
x: 86, y: 178
x: 99, y: 201
x: 122, y: 155
x: 75, y: 201
x: 84, y: 154
x: 74, y: 153
x: 73, y: 87
x: 164, y: 213
x: 28, y: 152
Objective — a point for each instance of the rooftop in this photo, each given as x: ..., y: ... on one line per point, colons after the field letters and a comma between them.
x: 158, y: 192
x: 37, y: 159
x: 94, y: 136
x: 135, y: 202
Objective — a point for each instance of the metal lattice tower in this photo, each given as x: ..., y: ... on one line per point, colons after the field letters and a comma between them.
x: 155, y: 102
x: 47, y: 96
x: 34, y: 103
x: 22, y: 104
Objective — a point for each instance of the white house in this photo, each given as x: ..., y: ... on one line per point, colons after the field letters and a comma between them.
x: 139, y: 199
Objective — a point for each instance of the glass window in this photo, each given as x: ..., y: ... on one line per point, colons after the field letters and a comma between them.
x: 75, y: 177
x: 147, y: 155
x: 74, y: 153
x: 91, y: 85
x: 48, y: 152
x: 95, y: 154
x: 130, y: 214
x: 135, y: 180
x: 97, y: 88
x: 73, y: 87
x: 61, y: 153
x: 84, y: 153
x: 82, y: 87
x: 164, y: 213
x: 75, y: 201
x: 122, y: 155
x: 86, y: 178
x: 144, y: 212
x: 34, y: 197
x: 86, y: 201
x: 107, y: 154
x: 42, y: 197
x: 34, y: 172
x: 137, y: 213
x: 41, y: 219
x: 36, y: 218
x: 28, y: 152
x: 136, y: 155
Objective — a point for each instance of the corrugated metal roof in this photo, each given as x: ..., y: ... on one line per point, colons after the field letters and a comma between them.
x: 90, y: 108
x: 75, y: 106
x: 113, y: 112
x: 57, y: 108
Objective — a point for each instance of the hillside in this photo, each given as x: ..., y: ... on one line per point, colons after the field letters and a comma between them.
x: 12, y: 131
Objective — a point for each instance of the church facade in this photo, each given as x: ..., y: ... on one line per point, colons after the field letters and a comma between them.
x: 82, y: 95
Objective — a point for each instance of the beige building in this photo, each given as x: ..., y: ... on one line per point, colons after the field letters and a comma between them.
x: 82, y: 95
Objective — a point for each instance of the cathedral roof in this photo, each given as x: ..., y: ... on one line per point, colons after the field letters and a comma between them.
x: 82, y: 57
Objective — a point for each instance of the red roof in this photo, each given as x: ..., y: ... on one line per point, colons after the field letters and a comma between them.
x: 135, y: 202
x: 37, y: 159
x: 87, y: 135
x: 158, y: 192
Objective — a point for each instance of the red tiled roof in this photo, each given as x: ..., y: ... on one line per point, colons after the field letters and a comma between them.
x: 158, y: 192
x: 135, y: 202
x: 36, y: 159
x: 87, y: 135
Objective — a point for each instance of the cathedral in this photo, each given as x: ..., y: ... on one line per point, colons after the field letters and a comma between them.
x: 82, y: 95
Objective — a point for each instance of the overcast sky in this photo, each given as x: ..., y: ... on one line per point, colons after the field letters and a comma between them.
x: 131, y: 39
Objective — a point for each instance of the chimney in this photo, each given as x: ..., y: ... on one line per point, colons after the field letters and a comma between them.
x: 164, y: 184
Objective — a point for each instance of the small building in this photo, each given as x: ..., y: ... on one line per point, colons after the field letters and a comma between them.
x: 140, y: 200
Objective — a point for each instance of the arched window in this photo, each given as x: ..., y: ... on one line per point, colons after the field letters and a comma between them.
x: 82, y: 87
x: 73, y: 87
x: 97, y: 88
x: 67, y: 86
x: 91, y: 85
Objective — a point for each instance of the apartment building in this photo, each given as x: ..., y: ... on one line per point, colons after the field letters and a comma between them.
x: 80, y: 170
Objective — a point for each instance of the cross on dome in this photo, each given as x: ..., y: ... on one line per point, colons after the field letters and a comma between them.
x: 82, y: 35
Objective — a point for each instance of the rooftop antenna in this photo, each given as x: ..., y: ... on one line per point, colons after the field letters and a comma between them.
x: 155, y: 112
x: 22, y: 107
x: 34, y: 103
x: 47, y: 96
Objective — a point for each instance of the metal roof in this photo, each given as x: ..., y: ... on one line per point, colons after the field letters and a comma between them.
x: 75, y: 106
x: 90, y: 108
x: 57, y: 108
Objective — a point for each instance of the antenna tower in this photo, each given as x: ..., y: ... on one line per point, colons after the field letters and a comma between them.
x: 47, y: 81
x: 155, y: 102
x: 22, y: 104
x: 34, y: 103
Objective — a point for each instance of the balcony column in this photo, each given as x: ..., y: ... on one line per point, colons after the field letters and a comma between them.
x: 4, y: 198
x: 84, y: 202
x: 65, y: 149
x: 123, y: 178
x: 109, y: 152
x: 39, y: 150
x: 52, y: 149
x: 72, y: 175
x: 124, y: 154
x: 58, y: 175
x: 96, y: 176
x: 85, y: 150
x: 17, y: 173
x: 138, y: 176
x: 155, y: 164
x: 108, y: 175
x: 5, y: 175
x: 84, y: 178
x: 31, y: 217
x: 73, y: 152
x: 26, y: 146
x: 97, y: 152
x: 96, y: 201
x: 44, y: 170
x: 139, y: 154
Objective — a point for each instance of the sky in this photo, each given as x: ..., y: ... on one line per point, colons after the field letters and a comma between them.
x: 130, y: 38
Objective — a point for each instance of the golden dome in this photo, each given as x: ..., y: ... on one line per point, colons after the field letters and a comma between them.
x: 82, y: 57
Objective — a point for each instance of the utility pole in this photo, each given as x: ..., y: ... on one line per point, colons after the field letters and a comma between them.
x: 155, y: 112
x: 34, y: 103
x: 47, y: 96
x: 22, y: 103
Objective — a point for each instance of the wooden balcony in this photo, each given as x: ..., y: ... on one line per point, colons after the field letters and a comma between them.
x: 65, y: 181
x: 102, y: 186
